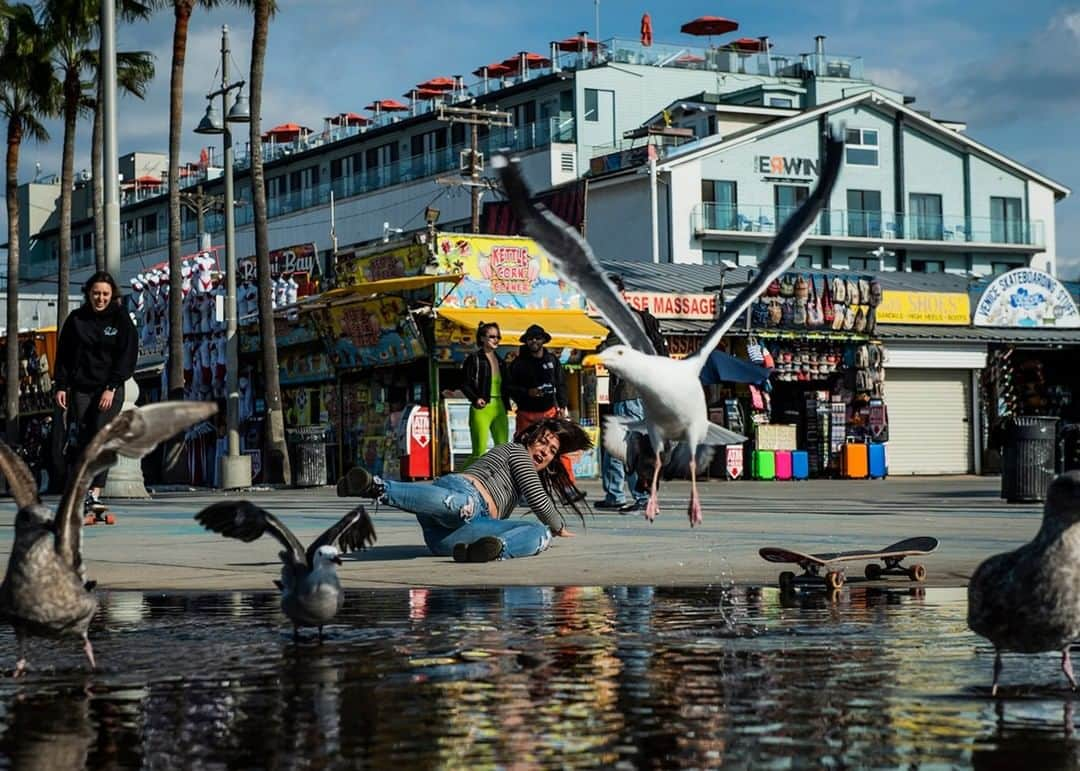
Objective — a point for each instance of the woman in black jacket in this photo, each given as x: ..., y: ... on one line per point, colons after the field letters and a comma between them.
x: 95, y: 355
x: 485, y: 374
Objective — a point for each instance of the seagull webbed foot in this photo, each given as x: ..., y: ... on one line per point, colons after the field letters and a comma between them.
x: 88, y: 649
x: 693, y: 511
x: 20, y: 668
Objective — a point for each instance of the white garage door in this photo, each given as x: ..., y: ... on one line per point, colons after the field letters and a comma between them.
x: 929, y: 428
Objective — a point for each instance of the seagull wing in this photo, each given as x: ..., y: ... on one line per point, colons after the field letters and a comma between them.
x: 353, y: 532
x: 245, y: 521
x: 782, y: 251
x: 572, y: 258
x: 133, y: 433
x: 19, y: 478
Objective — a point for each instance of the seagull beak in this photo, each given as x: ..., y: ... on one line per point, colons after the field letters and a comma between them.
x: 336, y: 560
x: 592, y: 360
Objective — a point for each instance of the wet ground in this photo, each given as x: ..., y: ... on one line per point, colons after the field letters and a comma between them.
x: 524, y: 677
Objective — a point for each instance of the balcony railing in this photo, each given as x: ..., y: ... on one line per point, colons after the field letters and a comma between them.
x: 854, y: 223
x: 441, y: 161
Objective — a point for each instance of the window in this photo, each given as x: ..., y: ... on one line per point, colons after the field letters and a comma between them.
x: 860, y: 263
x: 721, y: 205
x: 787, y: 199
x: 928, y: 266
x: 592, y: 104
x: 1006, y: 221
x: 862, y: 147
x: 804, y: 262
x: 717, y: 257
x: 336, y: 168
x: 779, y: 101
x: 864, y: 213
x: 997, y: 268
x: 925, y: 219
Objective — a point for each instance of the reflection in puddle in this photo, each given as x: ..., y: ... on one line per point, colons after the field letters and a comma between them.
x: 528, y: 677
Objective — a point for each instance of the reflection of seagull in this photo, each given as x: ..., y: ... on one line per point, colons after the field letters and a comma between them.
x: 1028, y: 600
x: 45, y: 592
x: 670, y: 390
x: 310, y: 590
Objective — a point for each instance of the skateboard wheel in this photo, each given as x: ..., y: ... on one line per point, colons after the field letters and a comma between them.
x: 834, y: 580
x: 89, y: 519
x: 787, y: 579
x: 110, y: 519
x: 917, y: 573
x: 873, y: 571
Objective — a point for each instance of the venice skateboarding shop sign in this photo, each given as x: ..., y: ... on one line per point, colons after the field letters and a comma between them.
x: 1026, y: 298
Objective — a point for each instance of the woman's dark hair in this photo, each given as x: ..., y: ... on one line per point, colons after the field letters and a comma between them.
x: 482, y: 330
x: 556, y: 482
x: 101, y: 277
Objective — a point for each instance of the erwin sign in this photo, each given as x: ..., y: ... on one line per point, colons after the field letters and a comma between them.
x: 783, y: 166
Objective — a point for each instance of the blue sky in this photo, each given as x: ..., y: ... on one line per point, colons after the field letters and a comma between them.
x: 1012, y: 74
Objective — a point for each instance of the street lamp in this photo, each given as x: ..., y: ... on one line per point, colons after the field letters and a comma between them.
x: 235, y: 468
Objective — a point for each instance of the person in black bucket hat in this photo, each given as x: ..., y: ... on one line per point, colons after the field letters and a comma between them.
x: 538, y: 386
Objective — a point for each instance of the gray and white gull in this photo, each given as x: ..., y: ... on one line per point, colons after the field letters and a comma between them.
x: 670, y: 389
x: 1028, y: 600
x: 311, y: 593
x: 45, y: 592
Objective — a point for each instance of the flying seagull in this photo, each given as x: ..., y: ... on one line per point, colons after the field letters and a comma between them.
x: 310, y: 590
x: 670, y: 389
x: 45, y: 592
x: 1028, y: 600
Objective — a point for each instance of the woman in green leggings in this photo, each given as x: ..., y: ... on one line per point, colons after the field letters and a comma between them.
x: 484, y: 375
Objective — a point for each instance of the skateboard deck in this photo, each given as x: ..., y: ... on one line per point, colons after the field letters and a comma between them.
x: 890, y: 557
x: 106, y: 517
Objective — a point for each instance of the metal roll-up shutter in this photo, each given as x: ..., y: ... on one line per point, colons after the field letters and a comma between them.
x: 929, y: 421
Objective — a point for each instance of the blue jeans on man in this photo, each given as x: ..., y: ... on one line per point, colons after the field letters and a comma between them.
x: 450, y: 511
x: 613, y: 471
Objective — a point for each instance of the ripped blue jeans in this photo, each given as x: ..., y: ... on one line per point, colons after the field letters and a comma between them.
x: 451, y: 511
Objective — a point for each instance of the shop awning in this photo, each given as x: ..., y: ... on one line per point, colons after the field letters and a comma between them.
x: 386, y: 286
x: 568, y: 328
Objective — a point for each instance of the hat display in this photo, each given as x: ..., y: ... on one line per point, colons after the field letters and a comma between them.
x: 535, y: 331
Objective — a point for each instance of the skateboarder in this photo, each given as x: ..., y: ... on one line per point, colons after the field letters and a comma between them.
x: 95, y: 355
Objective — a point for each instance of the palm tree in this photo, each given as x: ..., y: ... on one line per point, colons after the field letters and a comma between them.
x: 264, y: 9
x: 25, y: 96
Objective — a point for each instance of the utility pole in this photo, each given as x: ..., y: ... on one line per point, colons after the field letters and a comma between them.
x: 474, y: 118
x: 199, y: 203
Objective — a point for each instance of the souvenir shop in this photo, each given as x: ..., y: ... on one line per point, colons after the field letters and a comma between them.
x: 1031, y: 367
x: 507, y: 280
x: 816, y: 332
x: 37, y: 354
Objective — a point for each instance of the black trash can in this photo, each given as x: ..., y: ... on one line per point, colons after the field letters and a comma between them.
x: 309, y: 456
x: 1028, y: 458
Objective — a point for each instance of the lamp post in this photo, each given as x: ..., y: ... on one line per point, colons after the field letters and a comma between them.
x: 235, y: 468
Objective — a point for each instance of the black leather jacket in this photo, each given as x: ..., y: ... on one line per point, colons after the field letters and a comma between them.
x: 477, y: 378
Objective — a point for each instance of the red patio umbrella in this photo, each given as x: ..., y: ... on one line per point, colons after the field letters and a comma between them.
x: 149, y: 180
x: 440, y: 83
x: 646, y: 29
x: 286, y: 132
x: 425, y: 93
x: 709, y: 25
x: 746, y: 45
x: 348, y: 119
x: 496, y: 70
x: 532, y: 61
x: 387, y: 105
x: 690, y: 59
x: 576, y: 43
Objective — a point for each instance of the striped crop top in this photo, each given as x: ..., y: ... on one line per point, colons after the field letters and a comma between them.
x: 508, y: 474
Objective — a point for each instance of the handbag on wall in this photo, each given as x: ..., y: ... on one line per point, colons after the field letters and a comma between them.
x: 814, y: 315
x: 828, y: 311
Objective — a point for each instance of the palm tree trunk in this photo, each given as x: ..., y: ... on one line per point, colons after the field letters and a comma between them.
x: 11, y: 391
x: 275, y: 440
x: 72, y: 89
x: 173, y: 461
x: 97, y: 169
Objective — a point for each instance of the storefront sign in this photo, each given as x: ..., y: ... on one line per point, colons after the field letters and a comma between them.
x: 674, y: 306
x: 371, y: 333
x: 398, y: 262
x: 1026, y: 298
x: 302, y: 258
x: 501, y: 272
x: 783, y: 166
x: 942, y: 308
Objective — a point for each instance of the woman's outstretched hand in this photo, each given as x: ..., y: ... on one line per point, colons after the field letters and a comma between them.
x: 106, y: 399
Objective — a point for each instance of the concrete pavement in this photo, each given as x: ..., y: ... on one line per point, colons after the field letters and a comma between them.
x: 158, y: 546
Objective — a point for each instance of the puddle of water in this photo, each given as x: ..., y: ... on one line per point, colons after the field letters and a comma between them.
x: 622, y: 677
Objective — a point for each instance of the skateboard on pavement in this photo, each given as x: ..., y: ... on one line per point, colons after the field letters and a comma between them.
x: 101, y: 517
x: 812, y: 565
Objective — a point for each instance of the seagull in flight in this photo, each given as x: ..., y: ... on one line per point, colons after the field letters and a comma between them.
x: 45, y: 592
x: 670, y: 389
x: 311, y: 592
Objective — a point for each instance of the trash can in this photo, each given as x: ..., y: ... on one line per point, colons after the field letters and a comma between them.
x: 309, y: 456
x: 1028, y: 458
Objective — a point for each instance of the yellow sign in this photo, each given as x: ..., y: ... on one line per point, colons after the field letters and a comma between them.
x: 501, y: 272
x: 924, y: 308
